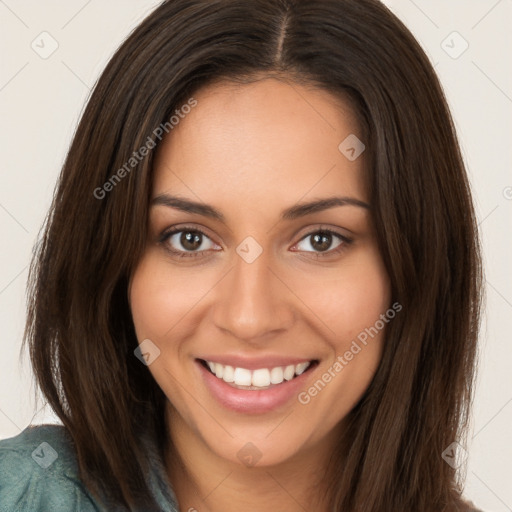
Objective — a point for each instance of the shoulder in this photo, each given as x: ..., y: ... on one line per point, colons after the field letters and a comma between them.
x: 471, y: 507
x: 466, y: 505
x: 39, y: 472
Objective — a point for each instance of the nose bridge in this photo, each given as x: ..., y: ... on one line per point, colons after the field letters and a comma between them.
x: 252, y: 302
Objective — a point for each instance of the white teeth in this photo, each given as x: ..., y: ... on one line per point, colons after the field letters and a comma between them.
x: 242, y: 377
x: 289, y: 372
x: 301, y: 368
x: 219, y: 370
x: 229, y: 374
x: 276, y: 375
x: 260, y: 378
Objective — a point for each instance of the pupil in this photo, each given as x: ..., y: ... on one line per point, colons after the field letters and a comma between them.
x: 321, y: 241
x: 190, y: 240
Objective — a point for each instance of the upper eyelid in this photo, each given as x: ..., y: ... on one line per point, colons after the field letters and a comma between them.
x: 328, y: 228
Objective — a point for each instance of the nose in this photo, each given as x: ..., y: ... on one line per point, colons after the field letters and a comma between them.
x: 252, y: 302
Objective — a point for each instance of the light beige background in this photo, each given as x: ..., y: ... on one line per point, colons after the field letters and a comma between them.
x: 41, y: 100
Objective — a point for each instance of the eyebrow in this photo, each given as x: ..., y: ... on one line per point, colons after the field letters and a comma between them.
x: 294, y: 212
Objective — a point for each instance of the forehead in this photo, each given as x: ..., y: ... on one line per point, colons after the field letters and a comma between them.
x: 268, y: 141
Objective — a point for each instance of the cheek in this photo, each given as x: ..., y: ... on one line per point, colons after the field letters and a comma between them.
x: 360, y: 301
x: 160, y: 298
x: 351, y: 307
x: 349, y: 299
x: 161, y: 302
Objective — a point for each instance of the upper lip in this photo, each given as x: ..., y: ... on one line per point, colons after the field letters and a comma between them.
x: 254, y: 363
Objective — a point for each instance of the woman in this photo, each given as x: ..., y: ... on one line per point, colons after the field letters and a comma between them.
x: 259, y: 282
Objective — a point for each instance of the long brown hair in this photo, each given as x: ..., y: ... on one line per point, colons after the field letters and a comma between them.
x: 79, y: 327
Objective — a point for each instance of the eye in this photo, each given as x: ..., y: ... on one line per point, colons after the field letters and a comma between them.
x: 186, y: 242
x: 323, y: 241
x: 192, y: 242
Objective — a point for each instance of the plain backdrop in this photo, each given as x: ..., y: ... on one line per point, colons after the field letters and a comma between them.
x: 41, y: 98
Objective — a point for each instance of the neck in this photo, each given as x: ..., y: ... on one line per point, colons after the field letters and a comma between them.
x: 206, y: 482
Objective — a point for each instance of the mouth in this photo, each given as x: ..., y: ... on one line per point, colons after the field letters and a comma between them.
x: 258, y: 379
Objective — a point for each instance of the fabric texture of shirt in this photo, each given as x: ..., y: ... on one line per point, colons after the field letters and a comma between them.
x: 39, y: 473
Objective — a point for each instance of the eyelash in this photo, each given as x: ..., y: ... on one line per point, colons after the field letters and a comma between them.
x: 166, y: 235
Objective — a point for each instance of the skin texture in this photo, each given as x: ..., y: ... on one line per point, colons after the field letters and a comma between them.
x: 252, y: 151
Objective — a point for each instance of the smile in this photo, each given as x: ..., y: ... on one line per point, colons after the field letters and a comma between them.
x: 256, y: 385
x: 261, y: 378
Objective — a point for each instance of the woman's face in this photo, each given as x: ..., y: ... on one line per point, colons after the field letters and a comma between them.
x: 253, y: 283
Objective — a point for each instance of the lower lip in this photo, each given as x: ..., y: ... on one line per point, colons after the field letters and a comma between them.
x: 252, y: 401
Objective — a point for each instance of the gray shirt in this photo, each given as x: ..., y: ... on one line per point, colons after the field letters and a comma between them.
x: 39, y: 473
